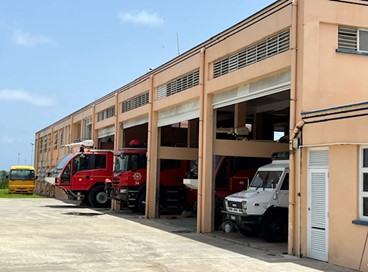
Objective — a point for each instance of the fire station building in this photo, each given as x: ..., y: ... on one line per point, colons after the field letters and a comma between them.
x: 294, y: 75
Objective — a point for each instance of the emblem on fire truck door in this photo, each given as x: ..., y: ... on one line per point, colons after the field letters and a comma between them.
x: 137, y: 177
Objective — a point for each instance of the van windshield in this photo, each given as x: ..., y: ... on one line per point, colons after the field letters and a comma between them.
x: 266, y: 179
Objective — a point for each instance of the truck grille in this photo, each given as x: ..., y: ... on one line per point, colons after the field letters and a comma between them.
x: 235, y: 205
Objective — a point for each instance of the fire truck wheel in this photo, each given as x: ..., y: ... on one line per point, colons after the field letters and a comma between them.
x: 141, y: 203
x: 97, y: 197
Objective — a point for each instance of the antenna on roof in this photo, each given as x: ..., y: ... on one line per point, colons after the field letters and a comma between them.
x: 177, y: 42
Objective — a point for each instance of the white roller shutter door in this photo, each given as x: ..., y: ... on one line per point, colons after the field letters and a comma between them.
x: 135, y: 122
x: 182, y: 112
x: 266, y: 86
x: 104, y: 132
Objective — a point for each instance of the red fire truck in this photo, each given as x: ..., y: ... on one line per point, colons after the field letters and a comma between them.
x: 128, y: 185
x: 232, y: 174
x: 83, y: 174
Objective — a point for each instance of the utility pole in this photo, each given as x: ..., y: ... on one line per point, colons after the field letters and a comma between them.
x: 32, y: 144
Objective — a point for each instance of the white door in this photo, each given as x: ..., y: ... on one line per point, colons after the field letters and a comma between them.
x: 318, y: 205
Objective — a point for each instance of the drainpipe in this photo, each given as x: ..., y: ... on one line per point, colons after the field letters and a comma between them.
x: 117, y: 128
x: 293, y: 45
x: 201, y: 141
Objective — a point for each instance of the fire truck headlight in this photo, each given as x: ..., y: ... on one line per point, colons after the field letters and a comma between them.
x: 244, y: 206
x: 123, y: 191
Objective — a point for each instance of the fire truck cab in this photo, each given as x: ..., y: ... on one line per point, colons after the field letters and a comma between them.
x: 83, y: 174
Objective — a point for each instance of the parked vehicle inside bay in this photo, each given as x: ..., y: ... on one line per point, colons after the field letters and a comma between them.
x: 262, y: 209
x: 128, y: 184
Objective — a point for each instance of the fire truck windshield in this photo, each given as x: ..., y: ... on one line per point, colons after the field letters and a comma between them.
x: 127, y: 162
x: 61, y: 164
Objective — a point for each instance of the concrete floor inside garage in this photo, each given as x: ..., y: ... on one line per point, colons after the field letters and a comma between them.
x: 179, y: 224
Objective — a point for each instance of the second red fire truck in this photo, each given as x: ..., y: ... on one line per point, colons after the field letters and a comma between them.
x: 128, y: 185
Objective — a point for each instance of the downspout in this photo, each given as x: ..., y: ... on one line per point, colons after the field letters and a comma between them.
x: 201, y: 140
x: 293, y: 45
x: 52, y: 147
x: 117, y: 129
x: 94, y: 133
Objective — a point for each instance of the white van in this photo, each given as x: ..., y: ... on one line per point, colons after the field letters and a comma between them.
x: 263, y: 207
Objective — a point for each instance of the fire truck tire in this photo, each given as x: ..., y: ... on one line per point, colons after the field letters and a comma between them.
x: 274, y: 227
x: 141, y: 203
x: 97, y: 197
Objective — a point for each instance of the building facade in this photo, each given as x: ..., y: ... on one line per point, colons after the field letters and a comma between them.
x: 294, y: 70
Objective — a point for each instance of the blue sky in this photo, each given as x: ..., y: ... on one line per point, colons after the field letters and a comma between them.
x: 58, y: 56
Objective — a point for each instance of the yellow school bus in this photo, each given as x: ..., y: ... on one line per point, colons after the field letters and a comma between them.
x: 21, y: 179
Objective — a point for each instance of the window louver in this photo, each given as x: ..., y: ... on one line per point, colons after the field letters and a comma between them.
x: 135, y: 102
x: 347, y: 38
x: 178, y: 85
x: 264, y: 49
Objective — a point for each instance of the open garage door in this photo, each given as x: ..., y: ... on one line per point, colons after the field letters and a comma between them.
x: 182, y: 112
x: 267, y: 86
x: 106, y: 137
x: 135, y: 122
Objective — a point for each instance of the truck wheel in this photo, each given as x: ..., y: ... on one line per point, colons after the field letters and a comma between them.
x: 97, y: 197
x: 274, y: 227
x: 141, y: 203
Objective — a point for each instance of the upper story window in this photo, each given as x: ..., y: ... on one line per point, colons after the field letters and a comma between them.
x: 363, y: 199
x: 62, y: 137
x: 363, y: 40
x: 87, y: 131
x: 264, y: 49
x: 178, y: 85
x: 352, y: 39
x: 110, y: 112
x: 135, y: 102
x: 56, y: 138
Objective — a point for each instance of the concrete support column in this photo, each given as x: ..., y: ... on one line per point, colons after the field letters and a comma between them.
x: 117, y: 127
x: 240, y: 115
x: 152, y: 158
x: 94, y: 132
x: 193, y: 133
x: 206, y: 190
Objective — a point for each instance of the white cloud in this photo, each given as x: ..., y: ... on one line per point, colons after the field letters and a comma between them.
x: 25, y: 39
x: 24, y: 96
x: 142, y: 18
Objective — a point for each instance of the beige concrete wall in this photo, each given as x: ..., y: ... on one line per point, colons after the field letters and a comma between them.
x: 346, y: 240
x: 344, y: 138
x: 332, y: 76
x: 86, y: 113
x: 327, y: 78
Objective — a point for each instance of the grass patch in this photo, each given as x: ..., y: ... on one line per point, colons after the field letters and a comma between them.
x: 4, y: 194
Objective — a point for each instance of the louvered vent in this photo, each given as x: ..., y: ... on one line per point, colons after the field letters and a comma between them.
x: 135, y: 102
x: 347, y: 38
x: 264, y: 49
x: 178, y: 85
x: 318, y: 158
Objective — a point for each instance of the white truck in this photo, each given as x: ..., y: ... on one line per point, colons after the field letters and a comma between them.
x: 263, y: 207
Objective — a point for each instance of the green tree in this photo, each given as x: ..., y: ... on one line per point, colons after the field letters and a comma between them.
x: 3, y: 179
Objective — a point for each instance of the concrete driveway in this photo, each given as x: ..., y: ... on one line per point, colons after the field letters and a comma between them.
x: 50, y: 235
